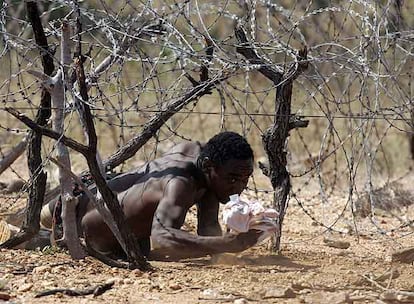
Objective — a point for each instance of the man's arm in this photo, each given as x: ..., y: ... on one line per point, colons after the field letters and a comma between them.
x: 175, y: 243
x: 207, y: 215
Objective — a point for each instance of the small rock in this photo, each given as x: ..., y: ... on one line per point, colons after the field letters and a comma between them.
x: 41, y: 269
x: 279, y: 293
x: 14, y: 186
x: 212, y: 294
x: 110, y: 281
x: 305, y: 291
x: 315, y: 297
x: 389, y: 296
x: 136, y: 273
x: 48, y: 284
x: 128, y: 281
x: 25, y: 287
x: 119, y: 281
x: 4, y: 296
x: 58, y: 269
x: 298, y: 286
x: 404, y: 256
x: 241, y: 301
x: 336, y: 243
x: 253, y: 279
x: 337, y: 298
x: 174, y: 286
x: 3, y: 284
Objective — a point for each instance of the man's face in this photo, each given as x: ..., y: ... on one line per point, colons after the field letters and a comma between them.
x: 230, y: 178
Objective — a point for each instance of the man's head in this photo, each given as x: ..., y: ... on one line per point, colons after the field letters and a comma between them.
x: 227, y: 161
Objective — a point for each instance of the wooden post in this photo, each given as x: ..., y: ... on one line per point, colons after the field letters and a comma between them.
x: 275, y: 138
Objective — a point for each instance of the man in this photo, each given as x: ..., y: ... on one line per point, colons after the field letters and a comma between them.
x: 157, y: 197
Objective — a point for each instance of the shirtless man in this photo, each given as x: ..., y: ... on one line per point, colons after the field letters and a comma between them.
x: 157, y: 197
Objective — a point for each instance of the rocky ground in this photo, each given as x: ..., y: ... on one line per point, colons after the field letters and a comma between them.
x: 315, y: 266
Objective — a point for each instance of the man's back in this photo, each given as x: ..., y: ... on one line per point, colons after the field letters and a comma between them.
x: 140, y: 191
x: 156, y: 198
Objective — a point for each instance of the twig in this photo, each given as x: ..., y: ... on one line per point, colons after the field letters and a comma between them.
x: 13, y: 154
x: 95, y: 290
x: 398, y: 292
x: 104, y: 259
x: 48, y: 132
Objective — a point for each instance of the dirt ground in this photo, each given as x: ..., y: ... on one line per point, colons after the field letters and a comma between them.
x: 306, y: 271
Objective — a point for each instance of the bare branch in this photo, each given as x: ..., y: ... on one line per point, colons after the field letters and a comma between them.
x: 134, y: 144
x: 126, y: 239
x: 246, y: 49
x: 297, y: 123
x: 47, y: 132
x: 13, y: 154
x: 275, y: 137
x: 31, y: 224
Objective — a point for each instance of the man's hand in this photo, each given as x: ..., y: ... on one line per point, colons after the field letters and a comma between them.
x: 242, y: 241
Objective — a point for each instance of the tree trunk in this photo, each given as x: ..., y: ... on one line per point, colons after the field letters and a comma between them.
x: 275, y: 138
x: 274, y: 142
x: 69, y: 221
x: 31, y: 224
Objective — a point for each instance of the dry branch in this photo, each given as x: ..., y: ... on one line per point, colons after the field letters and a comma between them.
x: 156, y: 122
x: 107, y: 217
x: 95, y: 290
x: 48, y: 132
x: 246, y: 49
x: 392, y: 294
x: 128, y: 240
x: 274, y: 138
x: 13, y: 154
x: 56, y: 89
x: 31, y: 224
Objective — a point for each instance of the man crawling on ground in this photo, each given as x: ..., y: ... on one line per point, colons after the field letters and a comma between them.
x: 156, y: 198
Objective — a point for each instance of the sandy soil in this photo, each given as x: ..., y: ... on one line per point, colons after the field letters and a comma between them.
x: 306, y: 271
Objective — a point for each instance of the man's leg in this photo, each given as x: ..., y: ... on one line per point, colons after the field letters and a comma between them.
x: 145, y: 246
x: 46, y: 215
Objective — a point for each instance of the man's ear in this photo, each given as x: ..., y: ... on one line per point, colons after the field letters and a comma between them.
x: 206, y: 164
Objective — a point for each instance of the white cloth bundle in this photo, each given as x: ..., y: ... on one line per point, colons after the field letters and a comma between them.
x: 242, y: 216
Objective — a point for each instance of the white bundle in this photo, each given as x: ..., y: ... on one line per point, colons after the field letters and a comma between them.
x: 242, y: 216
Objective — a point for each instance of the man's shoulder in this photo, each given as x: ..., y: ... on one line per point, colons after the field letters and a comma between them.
x: 190, y: 149
x: 186, y: 172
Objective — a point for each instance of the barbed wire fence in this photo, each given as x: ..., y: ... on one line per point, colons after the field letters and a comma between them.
x: 357, y: 92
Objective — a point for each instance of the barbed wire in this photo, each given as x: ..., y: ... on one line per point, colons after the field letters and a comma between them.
x: 357, y: 92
